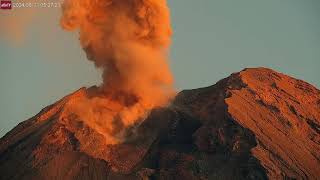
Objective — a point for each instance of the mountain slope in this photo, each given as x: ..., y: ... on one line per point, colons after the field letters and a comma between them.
x: 283, y: 114
x: 255, y: 124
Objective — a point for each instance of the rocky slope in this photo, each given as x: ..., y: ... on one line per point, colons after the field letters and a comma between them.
x: 255, y: 124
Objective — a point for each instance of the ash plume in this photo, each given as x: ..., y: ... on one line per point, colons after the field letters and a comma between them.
x: 129, y: 41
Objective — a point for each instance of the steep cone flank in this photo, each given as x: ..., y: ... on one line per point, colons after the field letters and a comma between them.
x: 281, y: 112
x: 256, y: 124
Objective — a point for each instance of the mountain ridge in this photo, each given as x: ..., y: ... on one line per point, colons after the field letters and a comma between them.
x: 254, y: 124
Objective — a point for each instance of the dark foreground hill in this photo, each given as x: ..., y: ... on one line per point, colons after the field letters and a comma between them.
x: 255, y: 124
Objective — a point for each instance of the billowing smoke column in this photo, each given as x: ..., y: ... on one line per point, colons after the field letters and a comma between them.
x: 128, y: 40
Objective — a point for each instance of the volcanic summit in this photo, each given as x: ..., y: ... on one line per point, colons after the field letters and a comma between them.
x: 254, y: 124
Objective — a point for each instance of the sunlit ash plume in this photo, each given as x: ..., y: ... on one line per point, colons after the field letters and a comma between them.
x: 128, y: 40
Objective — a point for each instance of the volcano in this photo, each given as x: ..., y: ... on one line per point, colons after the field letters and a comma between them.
x: 254, y: 124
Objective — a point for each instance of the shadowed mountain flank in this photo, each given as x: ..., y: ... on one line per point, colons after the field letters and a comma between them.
x: 255, y: 124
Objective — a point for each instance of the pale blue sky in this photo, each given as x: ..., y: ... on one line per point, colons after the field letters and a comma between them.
x: 212, y: 39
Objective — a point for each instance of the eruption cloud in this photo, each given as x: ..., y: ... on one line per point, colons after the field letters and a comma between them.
x: 129, y: 41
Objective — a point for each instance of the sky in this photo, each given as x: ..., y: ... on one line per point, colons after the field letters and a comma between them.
x: 40, y: 63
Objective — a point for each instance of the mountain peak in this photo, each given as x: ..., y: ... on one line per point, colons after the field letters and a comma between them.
x: 254, y: 124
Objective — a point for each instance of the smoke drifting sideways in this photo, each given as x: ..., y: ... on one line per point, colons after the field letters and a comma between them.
x: 14, y: 22
x: 129, y: 40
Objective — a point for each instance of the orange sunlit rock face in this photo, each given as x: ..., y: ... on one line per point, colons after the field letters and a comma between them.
x: 255, y: 124
x: 129, y: 41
